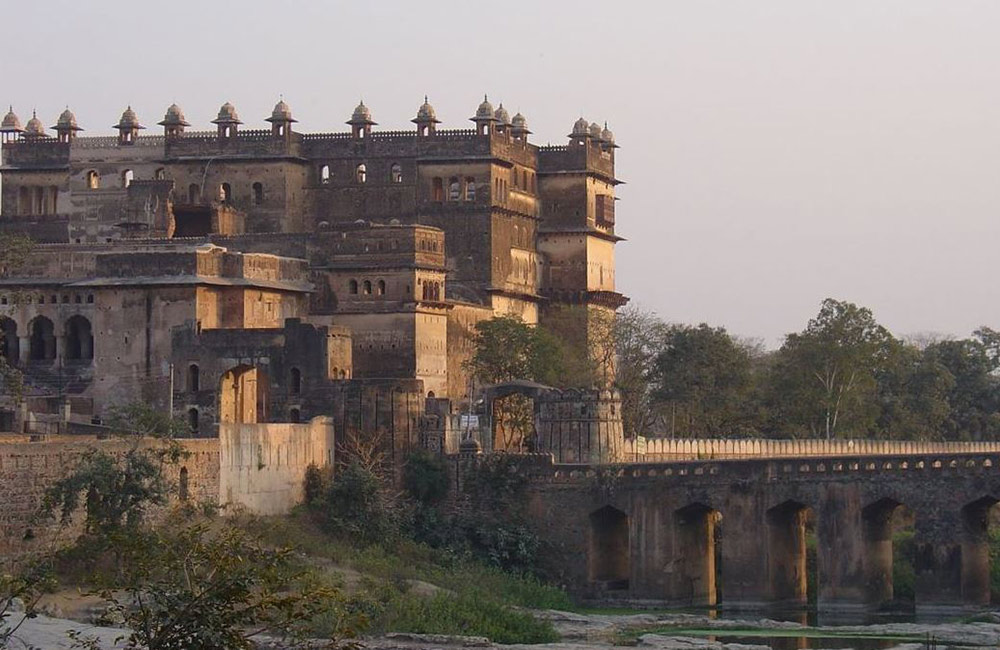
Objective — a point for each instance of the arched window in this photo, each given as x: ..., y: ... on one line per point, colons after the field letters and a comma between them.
x: 127, y: 177
x: 258, y: 193
x: 42, y: 343
x: 353, y: 286
x: 193, y: 420
x: 361, y: 174
x: 454, y: 190
x: 470, y: 189
x: 380, y: 288
x: 182, y: 483
x: 437, y: 189
x: 93, y: 180
x: 194, y: 378
x: 368, y: 287
x: 295, y: 381
x: 396, y: 173
x: 79, y: 339
x: 324, y: 174
x: 225, y: 193
x: 194, y: 193
x: 294, y: 416
x: 160, y: 174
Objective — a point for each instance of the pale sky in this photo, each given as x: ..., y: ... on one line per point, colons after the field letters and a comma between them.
x: 776, y: 152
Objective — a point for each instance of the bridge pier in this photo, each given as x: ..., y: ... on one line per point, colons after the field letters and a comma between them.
x: 786, y: 554
x: 745, y: 556
x: 840, y: 550
x: 693, y: 579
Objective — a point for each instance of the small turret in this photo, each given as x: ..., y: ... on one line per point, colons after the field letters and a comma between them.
x: 173, y: 122
x: 34, y: 130
x: 227, y: 121
x: 128, y: 127
x: 281, y: 120
x: 66, y: 126
x: 10, y: 128
x: 484, y: 117
x: 519, y: 126
x: 361, y: 121
x: 426, y: 119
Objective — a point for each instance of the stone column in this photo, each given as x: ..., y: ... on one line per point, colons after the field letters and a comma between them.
x: 693, y: 579
x: 976, y: 553
x: 786, y: 553
x: 840, y: 549
x: 24, y: 349
x: 744, y: 554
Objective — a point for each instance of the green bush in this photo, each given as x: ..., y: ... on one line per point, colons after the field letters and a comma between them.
x: 356, y: 506
x: 425, y: 477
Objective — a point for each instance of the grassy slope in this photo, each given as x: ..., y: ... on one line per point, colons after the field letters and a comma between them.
x: 473, y: 599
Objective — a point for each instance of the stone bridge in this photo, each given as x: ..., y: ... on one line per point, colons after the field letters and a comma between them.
x: 684, y: 532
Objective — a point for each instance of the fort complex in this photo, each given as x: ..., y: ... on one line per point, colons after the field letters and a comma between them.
x: 281, y: 291
x: 182, y: 259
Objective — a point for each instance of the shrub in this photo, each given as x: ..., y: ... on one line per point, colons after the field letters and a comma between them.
x: 425, y: 477
x: 357, y: 506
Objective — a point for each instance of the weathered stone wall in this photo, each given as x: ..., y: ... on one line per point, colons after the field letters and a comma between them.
x: 27, y: 469
x: 263, y: 466
x: 580, y: 426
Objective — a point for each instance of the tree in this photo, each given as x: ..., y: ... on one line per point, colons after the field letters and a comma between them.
x: 118, y: 489
x: 824, y: 377
x: 190, y: 586
x: 913, y: 391
x: 637, y: 338
x: 974, y: 398
x: 703, y: 375
x: 506, y: 348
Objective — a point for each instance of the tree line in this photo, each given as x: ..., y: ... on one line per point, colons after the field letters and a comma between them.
x: 843, y: 376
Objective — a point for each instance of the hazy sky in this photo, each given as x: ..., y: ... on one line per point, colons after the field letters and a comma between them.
x: 776, y: 152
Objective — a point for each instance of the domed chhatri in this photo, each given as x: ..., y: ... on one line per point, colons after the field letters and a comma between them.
x: 581, y: 128
x: 485, y: 111
x: 361, y: 115
x: 282, y: 113
x: 174, y: 117
x: 129, y: 120
x: 11, y: 122
x: 426, y: 114
x: 34, y: 128
x: 607, y: 135
x: 501, y: 115
x: 519, y: 122
x: 67, y: 121
x: 227, y: 115
x: 595, y: 130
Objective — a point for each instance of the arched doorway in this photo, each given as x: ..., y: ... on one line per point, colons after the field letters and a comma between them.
x: 42, y: 343
x: 244, y: 395
x: 79, y: 339
x: 8, y: 340
x: 609, y: 565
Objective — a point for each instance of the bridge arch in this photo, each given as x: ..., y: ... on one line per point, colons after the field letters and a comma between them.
x: 609, y: 560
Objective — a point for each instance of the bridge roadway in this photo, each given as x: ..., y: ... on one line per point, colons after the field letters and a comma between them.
x: 650, y: 531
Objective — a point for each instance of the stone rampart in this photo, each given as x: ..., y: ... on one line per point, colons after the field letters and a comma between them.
x: 263, y: 466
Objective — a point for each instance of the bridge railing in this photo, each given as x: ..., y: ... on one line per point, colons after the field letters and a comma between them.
x: 647, y: 450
